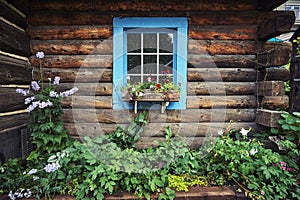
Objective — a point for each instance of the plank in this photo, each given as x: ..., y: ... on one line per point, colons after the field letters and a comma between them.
x: 14, y: 71
x: 270, y: 88
x: 73, y: 61
x: 96, y: 102
x: 222, y: 32
x: 13, y: 40
x: 268, y: 118
x: 10, y: 121
x: 241, y: 101
x: 277, y: 25
x: 10, y: 15
x: 221, y: 88
x: 142, y: 5
x: 222, y: 74
x: 72, y: 47
x: 110, y: 116
x: 275, y: 74
x: 222, y: 61
x: 274, y: 102
x: 84, y: 32
x: 10, y: 100
x: 75, y: 75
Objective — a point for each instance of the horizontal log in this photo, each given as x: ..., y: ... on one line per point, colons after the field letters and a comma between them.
x: 96, y: 102
x: 222, y: 74
x: 156, y: 5
x: 75, y: 75
x: 155, y: 116
x: 275, y: 74
x: 274, y: 54
x: 274, y: 102
x: 280, y: 23
x: 203, y: 18
x: 73, y: 61
x: 225, y: 47
x: 221, y: 88
x: 213, y: 61
x: 242, y: 101
x: 14, y: 71
x: 13, y: 17
x: 21, y: 5
x: 13, y: 40
x: 270, y: 88
x: 10, y: 100
x: 268, y: 118
x: 222, y: 32
x: 10, y: 121
x: 69, y: 32
x: 72, y: 47
x: 88, y: 89
x: 155, y: 130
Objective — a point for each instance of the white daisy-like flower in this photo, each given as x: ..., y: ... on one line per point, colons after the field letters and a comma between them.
x: 220, y: 132
x: 244, y: 132
x: 253, y: 151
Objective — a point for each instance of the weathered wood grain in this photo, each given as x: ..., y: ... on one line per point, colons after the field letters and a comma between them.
x: 270, y: 88
x: 275, y: 74
x: 69, y: 32
x: 73, y: 61
x: 88, y: 89
x: 21, y: 5
x: 240, y: 101
x: 12, y: 16
x: 96, y: 102
x: 13, y: 40
x: 10, y: 100
x: 222, y: 74
x: 221, y: 88
x: 268, y: 118
x: 213, y: 61
x: 13, y: 120
x: 14, y: 71
x: 274, y: 102
x: 155, y: 116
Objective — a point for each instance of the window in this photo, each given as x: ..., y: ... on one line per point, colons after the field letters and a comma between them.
x: 296, y: 9
x: 149, y: 47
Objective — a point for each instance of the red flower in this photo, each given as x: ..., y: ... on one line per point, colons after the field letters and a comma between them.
x: 158, y: 85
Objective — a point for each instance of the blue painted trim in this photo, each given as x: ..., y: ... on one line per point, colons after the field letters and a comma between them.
x: 119, y: 55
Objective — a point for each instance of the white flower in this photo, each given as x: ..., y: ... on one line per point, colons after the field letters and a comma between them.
x: 40, y: 54
x: 35, y: 178
x: 56, y: 80
x: 140, y: 94
x: 53, y: 94
x: 220, y: 132
x: 149, y: 79
x: 253, y: 151
x: 244, y: 132
x: 32, y: 171
x: 11, y: 196
x: 51, y: 167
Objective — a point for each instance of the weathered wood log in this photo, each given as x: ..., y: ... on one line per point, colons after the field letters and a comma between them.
x: 87, y: 102
x: 241, y: 101
x: 279, y: 24
x: 270, y: 88
x: 69, y: 32
x: 75, y: 75
x: 222, y: 32
x: 13, y: 40
x: 274, y: 74
x: 10, y: 100
x: 274, y: 102
x: 143, y: 5
x: 274, y: 54
x: 10, y: 121
x: 72, y: 47
x: 88, y: 89
x: 268, y: 118
x: 294, y: 105
x: 221, y: 88
x: 73, y: 61
x: 155, y: 116
x: 21, y: 5
x: 268, y: 5
x: 10, y: 15
x: 225, y: 47
x: 213, y: 61
x: 222, y: 74
x: 14, y: 71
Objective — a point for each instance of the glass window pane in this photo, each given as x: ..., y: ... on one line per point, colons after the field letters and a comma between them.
x: 166, y: 64
x: 147, y: 78
x: 166, y: 42
x: 150, y: 42
x: 150, y: 66
x: 134, y: 79
x: 133, y: 42
x: 133, y: 64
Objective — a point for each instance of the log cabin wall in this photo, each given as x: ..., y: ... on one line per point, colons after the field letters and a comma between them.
x: 225, y: 49
x: 15, y: 73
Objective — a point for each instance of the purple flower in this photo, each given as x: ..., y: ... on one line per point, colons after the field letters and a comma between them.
x: 35, y: 86
x: 44, y: 104
x: 32, y: 171
x: 69, y: 92
x: 262, y: 192
x: 21, y: 91
x: 40, y: 54
x: 29, y: 99
x: 56, y: 80
x: 32, y: 106
x: 53, y: 94
x: 51, y: 167
x: 11, y: 196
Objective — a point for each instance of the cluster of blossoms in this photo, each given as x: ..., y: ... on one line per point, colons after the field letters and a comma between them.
x: 52, y: 167
x: 20, y: 194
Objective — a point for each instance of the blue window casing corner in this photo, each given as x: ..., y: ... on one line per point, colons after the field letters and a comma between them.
x: 119, y: 55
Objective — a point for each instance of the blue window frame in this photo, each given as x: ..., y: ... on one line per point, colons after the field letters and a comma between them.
x: 145, y: 36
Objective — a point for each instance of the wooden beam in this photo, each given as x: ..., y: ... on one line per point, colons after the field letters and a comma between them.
x: 270, y: 88
x: 10, y: 100
x: 268, y: 5
x: 268, y: 118
x: 10, y: 121
x: 97, y: 102
x: 279, y: 23
x: 10, y: 15
x: 274, y: 74
x: 274, y: 102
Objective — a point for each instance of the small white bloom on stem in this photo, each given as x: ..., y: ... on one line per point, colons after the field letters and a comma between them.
x: 40, y: 55
x: 244, y: 132
x: 253, y: 151
x: 220, y: 132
